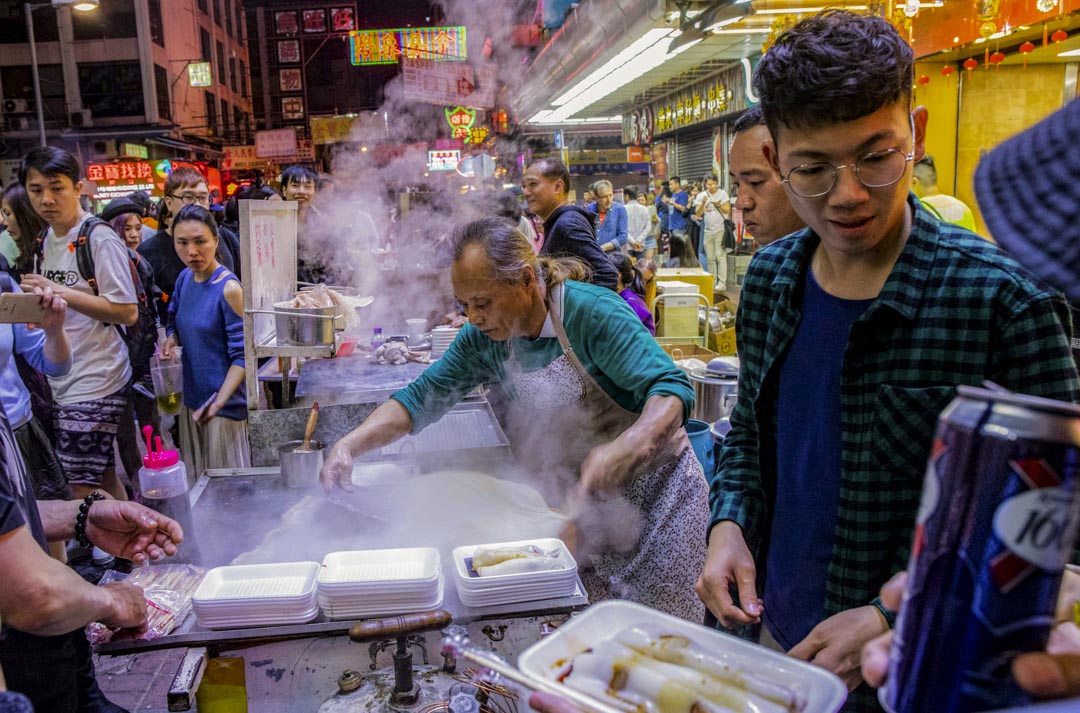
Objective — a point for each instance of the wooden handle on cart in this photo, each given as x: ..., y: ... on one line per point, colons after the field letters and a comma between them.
x: 394, y: 626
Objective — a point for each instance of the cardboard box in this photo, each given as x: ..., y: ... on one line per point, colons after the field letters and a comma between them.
x: 689, y: 351
x: 677, y: 316
x: 723, y: 343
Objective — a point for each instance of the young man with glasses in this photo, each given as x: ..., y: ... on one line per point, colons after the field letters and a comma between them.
x: 853, y: 335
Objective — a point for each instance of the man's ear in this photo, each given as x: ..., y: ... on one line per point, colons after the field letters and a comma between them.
x: 921, y: 116
x: 768, y: 148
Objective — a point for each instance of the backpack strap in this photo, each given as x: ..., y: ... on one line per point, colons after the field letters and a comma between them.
x: 84, y: 256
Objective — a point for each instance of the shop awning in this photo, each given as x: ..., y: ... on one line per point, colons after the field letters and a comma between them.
x: 186, y: 146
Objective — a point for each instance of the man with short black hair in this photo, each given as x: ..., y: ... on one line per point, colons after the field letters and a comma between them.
x: 679, y: 205
x: 712, y: 207
x: 853, y: 336
x: 568, y: 229
x: 759, y: 194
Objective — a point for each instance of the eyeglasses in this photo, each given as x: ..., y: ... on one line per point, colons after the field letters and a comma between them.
x: 190, y: 198
x: 876, y: 169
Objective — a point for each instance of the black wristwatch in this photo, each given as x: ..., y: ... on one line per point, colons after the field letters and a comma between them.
x: 80, y: 519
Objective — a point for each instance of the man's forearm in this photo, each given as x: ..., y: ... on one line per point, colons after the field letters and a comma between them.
x: 101, y: 309
x: 58, y: 518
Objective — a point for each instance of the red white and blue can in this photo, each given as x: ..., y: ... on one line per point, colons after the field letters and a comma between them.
x: 996, y: 525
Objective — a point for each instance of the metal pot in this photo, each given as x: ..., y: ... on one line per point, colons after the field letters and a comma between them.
x: 300, y: 469
x: 304, y: 326
x: 714, y: 394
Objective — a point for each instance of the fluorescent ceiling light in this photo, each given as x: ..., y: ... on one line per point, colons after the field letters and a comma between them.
x: 1070, y: 53
x: 717, y: 26
x: 744, y: 31
x: 642, y: 56
x: 80, y: 5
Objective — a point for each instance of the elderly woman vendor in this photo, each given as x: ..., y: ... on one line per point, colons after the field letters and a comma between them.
x: 597, y: 409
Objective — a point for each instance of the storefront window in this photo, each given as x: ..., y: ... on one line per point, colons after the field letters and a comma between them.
x: 221, y: 64
x: 18, y: 83
x: 112, y: 88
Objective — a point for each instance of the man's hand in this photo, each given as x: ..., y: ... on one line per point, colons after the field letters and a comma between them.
x: 128, y: 606
x: 728, y: 562
x: 337, y: 468
x: 132, y: 531
x: 1048, y: 676
x: 31, y: 282
x: 836, y: 643
x: 875, y: 656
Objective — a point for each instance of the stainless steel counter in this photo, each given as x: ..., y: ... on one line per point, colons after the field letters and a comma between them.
x: 353, y: 379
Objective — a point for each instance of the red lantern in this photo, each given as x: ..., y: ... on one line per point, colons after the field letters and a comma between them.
x: 996, y: 59
x: 969, y: 64
x: 1026, y: 49
x: 947, y: 71
x: 924, y: 80
x: 1059, y: 36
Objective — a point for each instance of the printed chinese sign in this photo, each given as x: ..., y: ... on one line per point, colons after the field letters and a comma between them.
x: 292, y: 108
x: 342, y: 19
x: 288, y: 51
x: 290, y: 80
x: 314, y: 21
x: 389, y: 46
x: 200, y: 74
x: 285, y: 23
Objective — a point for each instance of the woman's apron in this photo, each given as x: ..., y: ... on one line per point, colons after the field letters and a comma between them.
x: 645, y: 544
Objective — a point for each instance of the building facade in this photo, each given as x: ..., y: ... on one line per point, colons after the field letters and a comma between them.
x: 128, y: 79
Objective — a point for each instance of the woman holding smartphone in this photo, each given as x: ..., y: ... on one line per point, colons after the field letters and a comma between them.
x: 205, y: 319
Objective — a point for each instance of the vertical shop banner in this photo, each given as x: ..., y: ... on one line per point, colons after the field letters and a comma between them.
x: 286, y: 23
x: 719, y: 154
x: 288, y: 51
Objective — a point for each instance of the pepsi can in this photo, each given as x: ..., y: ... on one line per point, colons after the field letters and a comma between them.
x: 996, y: 524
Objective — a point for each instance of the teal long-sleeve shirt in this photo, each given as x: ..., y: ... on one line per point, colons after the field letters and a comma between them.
x: 606, y: 335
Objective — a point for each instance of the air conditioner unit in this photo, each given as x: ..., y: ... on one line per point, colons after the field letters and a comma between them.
x: 81, y: 119
x: 16, y: 106
x: 103, y: 149
x: 18, y: 123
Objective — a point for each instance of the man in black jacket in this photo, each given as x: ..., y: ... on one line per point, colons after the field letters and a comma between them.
x: 568, y: 229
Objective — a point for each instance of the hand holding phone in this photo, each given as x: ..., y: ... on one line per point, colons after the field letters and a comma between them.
x: 21, y: 308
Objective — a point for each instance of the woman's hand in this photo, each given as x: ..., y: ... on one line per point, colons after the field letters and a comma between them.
x: 337, y: 468
x: 167, y: 350
x: 608, y: 467
x: 55, y: 310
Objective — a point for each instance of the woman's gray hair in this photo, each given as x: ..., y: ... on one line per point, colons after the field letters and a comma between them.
x: 508, y: 253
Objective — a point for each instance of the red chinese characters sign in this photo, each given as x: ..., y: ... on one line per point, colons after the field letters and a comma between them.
x: 119, y: 179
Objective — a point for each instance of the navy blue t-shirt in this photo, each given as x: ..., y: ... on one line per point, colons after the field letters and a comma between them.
x: 808, y: 464
x: 677, y: 220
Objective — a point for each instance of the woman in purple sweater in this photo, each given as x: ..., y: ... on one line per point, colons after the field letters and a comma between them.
x: 632, y: 288
x: 205, y: 319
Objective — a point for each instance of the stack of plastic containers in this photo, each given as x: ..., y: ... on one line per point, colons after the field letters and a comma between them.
x: 369, y: 583
x: 495, y: 590
x: 441, y: 337
x: 257, y: 595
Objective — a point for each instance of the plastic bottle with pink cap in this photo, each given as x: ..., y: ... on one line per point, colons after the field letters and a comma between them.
x: 164, y: 484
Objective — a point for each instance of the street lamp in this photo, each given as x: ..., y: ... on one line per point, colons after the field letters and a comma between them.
x: 28, y: 9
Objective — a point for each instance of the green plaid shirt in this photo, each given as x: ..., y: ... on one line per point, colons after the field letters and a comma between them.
x: 955, y: 310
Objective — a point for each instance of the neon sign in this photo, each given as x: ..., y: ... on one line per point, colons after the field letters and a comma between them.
x: 461, y: 121
x: 389, y: 46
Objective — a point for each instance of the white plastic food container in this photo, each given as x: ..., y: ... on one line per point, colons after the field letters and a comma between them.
x: 546, y: 659
x: 465, y: 572
x: 367, y: 570
x: 262, y: 583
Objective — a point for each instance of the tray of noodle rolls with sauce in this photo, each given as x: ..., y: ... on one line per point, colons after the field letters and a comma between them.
x: 511, y: 572
x: 640, y: 660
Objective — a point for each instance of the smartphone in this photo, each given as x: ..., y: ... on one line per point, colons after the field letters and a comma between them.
x: 18, y: 309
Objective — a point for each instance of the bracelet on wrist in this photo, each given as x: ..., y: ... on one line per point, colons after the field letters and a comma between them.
x: 80, y: 519
x: 888, y: 614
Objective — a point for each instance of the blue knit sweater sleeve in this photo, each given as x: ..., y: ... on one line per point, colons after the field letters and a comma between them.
x: 234, y: 331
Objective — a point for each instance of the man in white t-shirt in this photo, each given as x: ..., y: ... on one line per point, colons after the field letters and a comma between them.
x: 90, y: 399
x: 638, y: 222
x: 712, y: 206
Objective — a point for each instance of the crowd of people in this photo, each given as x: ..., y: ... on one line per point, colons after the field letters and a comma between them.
x: 793, y: 540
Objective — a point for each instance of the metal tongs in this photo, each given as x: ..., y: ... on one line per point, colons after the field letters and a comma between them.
x: 586, y: 703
